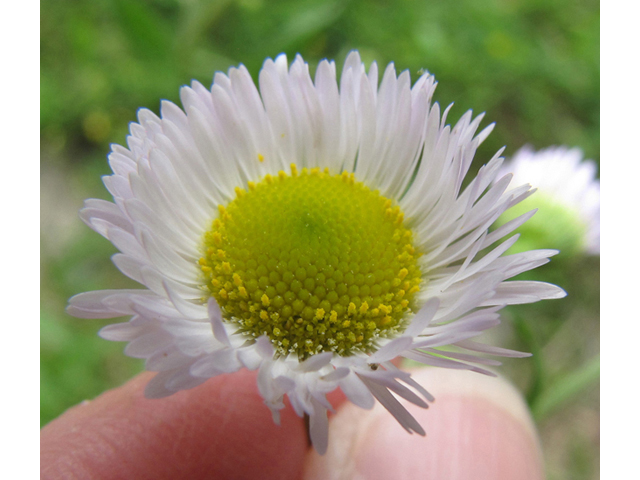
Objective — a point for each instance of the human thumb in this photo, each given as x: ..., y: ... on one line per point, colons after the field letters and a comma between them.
x: 478, y: 428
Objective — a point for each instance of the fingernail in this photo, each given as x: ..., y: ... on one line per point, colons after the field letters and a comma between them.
x: 478, y: 428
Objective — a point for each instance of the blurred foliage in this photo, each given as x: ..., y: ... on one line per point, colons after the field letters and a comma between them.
x: 532, y: 65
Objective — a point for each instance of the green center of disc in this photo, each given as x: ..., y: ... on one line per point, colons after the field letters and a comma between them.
x: 317, y: 262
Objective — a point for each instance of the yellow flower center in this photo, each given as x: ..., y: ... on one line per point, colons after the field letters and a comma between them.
x: 317, y: 262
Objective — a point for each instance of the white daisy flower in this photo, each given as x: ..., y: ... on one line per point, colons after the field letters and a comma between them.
x: 567, y: 198
x: 312, y: 230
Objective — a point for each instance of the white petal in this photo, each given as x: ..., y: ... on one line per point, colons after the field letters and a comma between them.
x: 156, y: 387
x: 422, y: 319
x: 357, y: 392
x: 518, y: 292
x: 167, y: 359
x: 389, y: 380
x: 250, y: 358
x: 479, y: 347
x: 405, y: 419
x: 338, y: 374
x: 216, y: 363
x: 391, y: 350
x: 264, y: 347
x: 121, y: 332
x: 188, y: 309
x: 319, y: 429
x: 92, y: 304
x: 316, y: 362
x: 148, y: 344
x: 215, y: 317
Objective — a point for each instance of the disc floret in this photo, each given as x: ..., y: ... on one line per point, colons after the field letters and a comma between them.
x: 315, y: 261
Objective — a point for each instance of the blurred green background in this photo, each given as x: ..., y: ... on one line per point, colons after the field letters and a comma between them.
x: 532, y: 65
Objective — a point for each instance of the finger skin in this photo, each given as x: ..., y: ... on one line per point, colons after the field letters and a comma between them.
x: 221, y: 429
x: 478, y: 428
